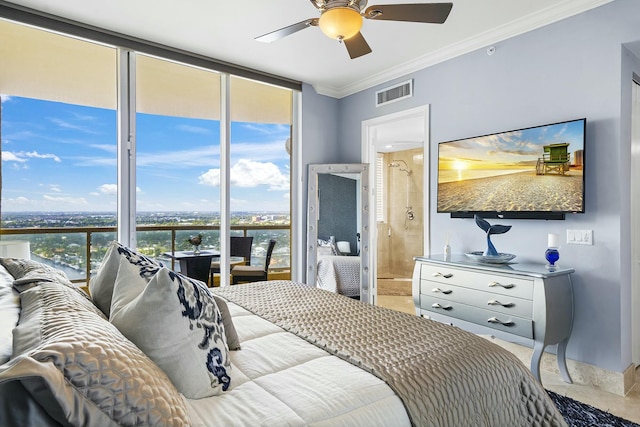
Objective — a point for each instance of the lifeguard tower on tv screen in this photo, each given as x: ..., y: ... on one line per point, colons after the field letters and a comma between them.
x: 555, y: 159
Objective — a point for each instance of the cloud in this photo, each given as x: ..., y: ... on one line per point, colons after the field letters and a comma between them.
x: 68, y: 200
x: 20, y: 200
x: 21, y: 156
x: 55, y: 188
x: 203, y: 156
x: 109, y: 189
x: 266, y: 129
x: 70, y: 126
x: 8, y: 156
x: 194, y: 129
x: 36, y: 155
x: 109, y: 148
x: 248, y: 174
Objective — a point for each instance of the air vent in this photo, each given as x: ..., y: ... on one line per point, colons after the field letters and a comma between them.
x: 394, y: 93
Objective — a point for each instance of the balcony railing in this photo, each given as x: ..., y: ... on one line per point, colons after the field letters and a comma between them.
x: 63, y: 246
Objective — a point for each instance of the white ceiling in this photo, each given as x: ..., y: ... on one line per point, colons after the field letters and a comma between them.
x: 225, y: 30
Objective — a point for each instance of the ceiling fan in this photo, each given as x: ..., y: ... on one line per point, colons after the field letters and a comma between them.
x: 342, y: 20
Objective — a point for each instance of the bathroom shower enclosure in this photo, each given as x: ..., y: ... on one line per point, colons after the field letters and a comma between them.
x: 400, y: 229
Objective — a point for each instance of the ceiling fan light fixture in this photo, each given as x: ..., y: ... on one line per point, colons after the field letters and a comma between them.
x: 340, y: 23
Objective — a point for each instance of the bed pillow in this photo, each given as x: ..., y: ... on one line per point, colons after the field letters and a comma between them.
x: 177, y: 323
x: 101, y: 285
x: 30, y: 271
x: 233, y: 342
x: 146, y: 272
x: 82, y: 370
x: 9, y: 313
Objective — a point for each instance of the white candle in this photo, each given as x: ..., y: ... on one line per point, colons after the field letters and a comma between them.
x: 553, y: 240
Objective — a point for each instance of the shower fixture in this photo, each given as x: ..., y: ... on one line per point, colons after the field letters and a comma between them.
x: 396, y: 164
x: 409, y: 214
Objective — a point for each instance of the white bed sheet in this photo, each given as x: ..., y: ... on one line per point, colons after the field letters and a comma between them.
x: 279, y: 379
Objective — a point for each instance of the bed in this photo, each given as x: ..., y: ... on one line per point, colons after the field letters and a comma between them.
x: 339, y: 274
x: 277, y: 354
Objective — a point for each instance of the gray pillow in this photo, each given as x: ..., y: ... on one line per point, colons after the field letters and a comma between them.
x: 9, y: 314
x: 29, y: 271
x: 101, y: 285
x: 82, y: 370
x: 177, y: 323
x: 229, y: 329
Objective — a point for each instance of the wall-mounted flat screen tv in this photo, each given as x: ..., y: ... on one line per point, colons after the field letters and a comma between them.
x: 536, y: 172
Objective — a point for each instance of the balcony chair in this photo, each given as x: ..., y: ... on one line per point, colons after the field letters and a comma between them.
x: 253, y: 273
x: 238, y: 247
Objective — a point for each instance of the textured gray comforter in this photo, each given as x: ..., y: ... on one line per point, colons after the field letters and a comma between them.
x: 445, y: 376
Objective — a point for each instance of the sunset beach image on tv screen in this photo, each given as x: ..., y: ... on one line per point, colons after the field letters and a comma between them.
x: 538, y: 169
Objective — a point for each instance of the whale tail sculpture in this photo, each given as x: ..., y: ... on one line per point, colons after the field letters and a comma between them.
x: 489, y: 230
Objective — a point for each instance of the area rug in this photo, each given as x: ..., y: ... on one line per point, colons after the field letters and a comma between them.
x: 578, y: 414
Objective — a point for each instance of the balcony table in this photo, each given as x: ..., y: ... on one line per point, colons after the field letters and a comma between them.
x: 196, y: 266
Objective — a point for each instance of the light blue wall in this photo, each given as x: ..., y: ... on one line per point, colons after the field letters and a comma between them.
x: 571, y: 69
x: 319, y: 139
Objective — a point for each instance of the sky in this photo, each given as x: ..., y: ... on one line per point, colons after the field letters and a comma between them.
x: 514, y: 149
x: 59, y: 157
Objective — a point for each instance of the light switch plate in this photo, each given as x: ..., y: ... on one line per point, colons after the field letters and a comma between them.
x: 580, y: 237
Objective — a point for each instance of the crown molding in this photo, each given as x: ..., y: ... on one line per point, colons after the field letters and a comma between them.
x: 541, y: 18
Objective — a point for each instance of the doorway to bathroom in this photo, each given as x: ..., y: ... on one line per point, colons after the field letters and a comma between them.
x: 399, y: 222
x: 396, y: 147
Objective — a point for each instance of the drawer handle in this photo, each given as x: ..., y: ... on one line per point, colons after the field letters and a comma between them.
x: 507, y: 286
x: 446, y: 292
x: 496, y: 302
x: 436, y: 305
x: 446, y: 276
x: 496, y: 320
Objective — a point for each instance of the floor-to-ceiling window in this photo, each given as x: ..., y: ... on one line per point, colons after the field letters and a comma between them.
x: 58, y: 133
x: 260, y: 166
x: 63, y: 101
x: 177, y: 129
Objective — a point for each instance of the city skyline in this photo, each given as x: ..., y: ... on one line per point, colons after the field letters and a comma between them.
x: 60, y: 157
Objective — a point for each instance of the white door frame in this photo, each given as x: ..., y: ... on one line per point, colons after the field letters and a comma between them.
x: 369, y: 150
x: 635, y: 221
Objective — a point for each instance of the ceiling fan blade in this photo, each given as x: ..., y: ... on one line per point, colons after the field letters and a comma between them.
x: 357, y: 46
x: 286, y: 31
x: 432, y: 13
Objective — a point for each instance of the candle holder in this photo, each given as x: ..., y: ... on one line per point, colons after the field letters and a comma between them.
x: 551, y: 254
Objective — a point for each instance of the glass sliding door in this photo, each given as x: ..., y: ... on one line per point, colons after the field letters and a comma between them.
x: 59, y: 135
x: 177, y: 144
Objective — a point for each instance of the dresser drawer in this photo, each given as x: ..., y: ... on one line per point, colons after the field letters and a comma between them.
x: 496, y: 283
x: 491, y: 319
x: 501, y: 303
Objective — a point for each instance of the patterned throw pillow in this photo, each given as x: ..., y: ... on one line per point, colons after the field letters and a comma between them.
x: 137, y: 283
x: 80, y: 369
x: 176, y: 322
x: 101, y: 285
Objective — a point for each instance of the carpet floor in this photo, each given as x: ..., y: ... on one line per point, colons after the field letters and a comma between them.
x: 578, y: 414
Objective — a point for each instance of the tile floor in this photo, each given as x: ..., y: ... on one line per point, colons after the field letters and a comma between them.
x: 627, y: 407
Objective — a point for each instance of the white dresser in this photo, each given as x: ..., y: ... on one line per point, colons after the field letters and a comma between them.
x: 522, y: 301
